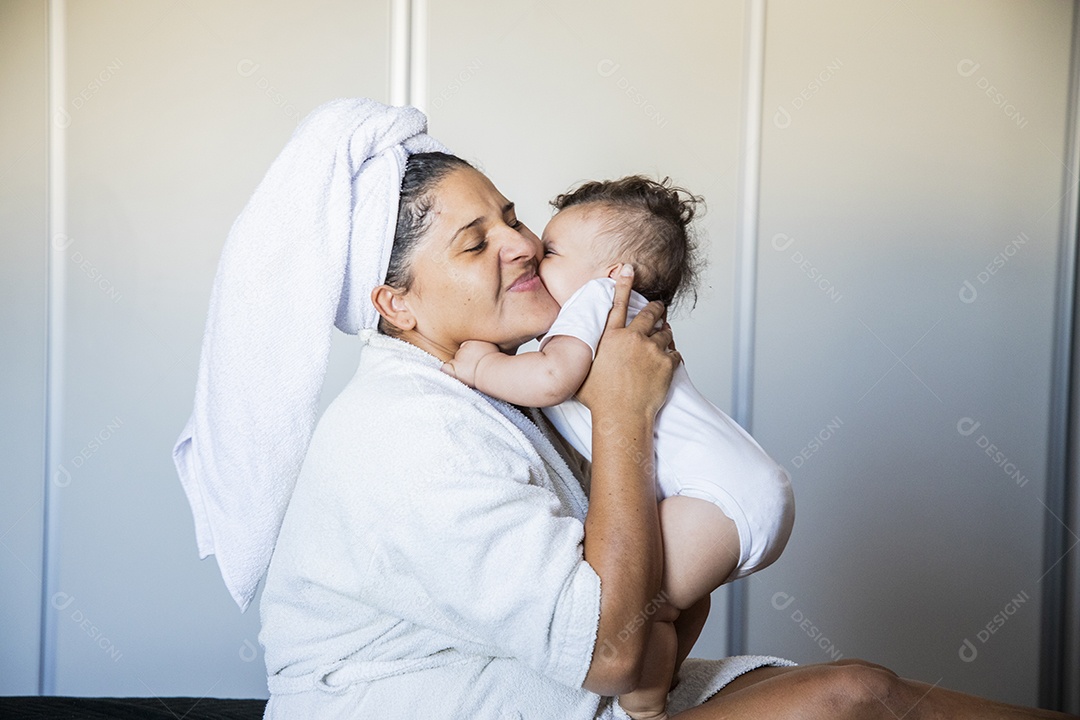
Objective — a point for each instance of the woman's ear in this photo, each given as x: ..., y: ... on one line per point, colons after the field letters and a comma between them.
x: 391, y: 305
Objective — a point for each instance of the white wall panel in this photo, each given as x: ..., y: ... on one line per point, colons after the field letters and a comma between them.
x: 910, y: 148
x: 176, y: 111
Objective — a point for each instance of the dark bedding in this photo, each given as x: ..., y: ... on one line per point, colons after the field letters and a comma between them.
x: 34, y: 708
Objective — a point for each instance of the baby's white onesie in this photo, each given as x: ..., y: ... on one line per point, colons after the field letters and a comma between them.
x: 700, y: 451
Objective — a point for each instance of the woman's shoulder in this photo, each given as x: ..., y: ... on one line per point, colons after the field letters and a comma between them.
x: 400, y: 399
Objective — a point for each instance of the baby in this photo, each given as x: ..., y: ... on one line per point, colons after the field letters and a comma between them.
x: 726, y: 509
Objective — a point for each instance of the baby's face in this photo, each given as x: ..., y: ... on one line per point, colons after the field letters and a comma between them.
x: 569, y: 258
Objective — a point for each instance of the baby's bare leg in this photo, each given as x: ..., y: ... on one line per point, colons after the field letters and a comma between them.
x: 687, y: 628
x: 649, y: 700
x: 701, y: 548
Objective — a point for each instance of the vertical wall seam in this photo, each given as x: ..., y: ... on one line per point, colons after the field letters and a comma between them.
x: 1057, y: 650
x: 400, y: 33
x: 418, y: 54
x: 746, y: 240
x: 54, y: 341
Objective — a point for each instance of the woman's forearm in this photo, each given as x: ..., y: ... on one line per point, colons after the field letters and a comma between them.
x: 622, y: 544
x: 624, y: 390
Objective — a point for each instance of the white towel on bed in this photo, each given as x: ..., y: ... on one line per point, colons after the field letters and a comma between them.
x: 304, y: 255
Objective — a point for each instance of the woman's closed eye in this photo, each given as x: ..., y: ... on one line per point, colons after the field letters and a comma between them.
x: 478, y: 247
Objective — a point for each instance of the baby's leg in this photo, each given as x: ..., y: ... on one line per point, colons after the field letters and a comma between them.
x: 701, y: 548
x: 649, y: 700
x: 688, y: 628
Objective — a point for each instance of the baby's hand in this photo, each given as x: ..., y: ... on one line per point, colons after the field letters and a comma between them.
x: 468, y: 357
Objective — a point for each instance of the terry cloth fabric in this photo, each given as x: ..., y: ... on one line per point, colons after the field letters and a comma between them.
x: 303, y: 256
x: 442, y: 574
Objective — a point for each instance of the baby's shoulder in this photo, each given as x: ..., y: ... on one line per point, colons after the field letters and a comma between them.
x: 595, y: 292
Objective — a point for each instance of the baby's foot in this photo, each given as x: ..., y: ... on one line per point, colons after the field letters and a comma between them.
x: 643, y: 711
x: 661, y: 715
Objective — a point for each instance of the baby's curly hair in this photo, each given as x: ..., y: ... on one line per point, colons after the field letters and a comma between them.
x: 652, y: 223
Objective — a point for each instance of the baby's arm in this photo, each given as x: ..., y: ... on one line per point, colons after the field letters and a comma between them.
x: 533, y: 379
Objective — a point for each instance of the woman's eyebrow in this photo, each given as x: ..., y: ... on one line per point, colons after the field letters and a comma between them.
x: 506, y: 208
x: 463, y: 228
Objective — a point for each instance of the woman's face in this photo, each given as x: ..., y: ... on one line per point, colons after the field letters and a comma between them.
x: 474, y: 273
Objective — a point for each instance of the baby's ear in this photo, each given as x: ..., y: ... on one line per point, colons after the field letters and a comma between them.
x: 612, y: 270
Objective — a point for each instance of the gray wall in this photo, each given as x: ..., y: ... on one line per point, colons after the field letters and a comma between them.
x: 899, y: 180
x: 23, y: 274
x: 889, y: 178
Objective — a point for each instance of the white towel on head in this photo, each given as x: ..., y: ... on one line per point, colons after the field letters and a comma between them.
x: 304, y: 255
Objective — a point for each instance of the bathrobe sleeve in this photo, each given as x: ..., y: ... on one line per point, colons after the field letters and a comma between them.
x: 478, y: 544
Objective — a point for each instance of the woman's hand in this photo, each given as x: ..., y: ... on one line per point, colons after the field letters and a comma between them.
x: 634, y: 363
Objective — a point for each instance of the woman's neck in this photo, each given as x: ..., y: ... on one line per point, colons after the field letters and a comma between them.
x: 439, y: 350
x: 442, y: 350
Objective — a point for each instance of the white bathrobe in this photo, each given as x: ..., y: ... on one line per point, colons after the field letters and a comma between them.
x: 430, y: 563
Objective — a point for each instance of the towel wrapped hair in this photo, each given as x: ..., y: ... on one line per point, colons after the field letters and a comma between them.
x: 303, y: 256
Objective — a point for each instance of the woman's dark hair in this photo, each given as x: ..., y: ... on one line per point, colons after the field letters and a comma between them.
x: 423, y: 171
x: 652, y: 223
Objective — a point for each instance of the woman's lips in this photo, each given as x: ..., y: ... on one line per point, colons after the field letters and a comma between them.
x: 526, y: 283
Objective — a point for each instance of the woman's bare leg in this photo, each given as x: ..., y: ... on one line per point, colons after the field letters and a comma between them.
x: 848, y: 689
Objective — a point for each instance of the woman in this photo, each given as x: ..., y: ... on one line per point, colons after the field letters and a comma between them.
x: 439, y: 559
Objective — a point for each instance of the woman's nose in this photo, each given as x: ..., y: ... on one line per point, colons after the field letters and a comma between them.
x: 517, y: 246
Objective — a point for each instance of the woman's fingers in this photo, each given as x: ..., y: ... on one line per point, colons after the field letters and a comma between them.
x: 634, y: 363
x: 649, y: 319
x: 624, y: 281
x: 663, y: 339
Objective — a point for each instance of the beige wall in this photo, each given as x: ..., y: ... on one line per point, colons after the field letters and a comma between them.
x: 898, y: 180
x: 545, y: 95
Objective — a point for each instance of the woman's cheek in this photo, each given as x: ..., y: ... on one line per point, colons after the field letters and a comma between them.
x: 547, y: 277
